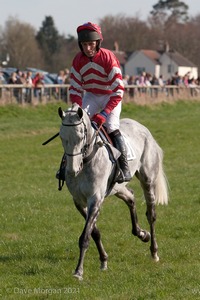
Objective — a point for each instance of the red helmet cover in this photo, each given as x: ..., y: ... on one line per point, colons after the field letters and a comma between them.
x: 92, y: 27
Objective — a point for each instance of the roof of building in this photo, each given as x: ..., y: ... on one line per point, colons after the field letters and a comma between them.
x: 152, y: 54
x: 179, y: 59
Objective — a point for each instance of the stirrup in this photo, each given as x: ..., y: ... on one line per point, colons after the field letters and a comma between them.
x: 60, y: 184
x: 60, y: 175
x: 120, y: 178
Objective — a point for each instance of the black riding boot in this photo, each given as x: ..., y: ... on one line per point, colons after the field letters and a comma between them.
x: 118, y: 142
x: 61, y: 172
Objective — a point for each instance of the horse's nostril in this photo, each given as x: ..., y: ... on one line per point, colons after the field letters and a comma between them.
x: 71, y: 173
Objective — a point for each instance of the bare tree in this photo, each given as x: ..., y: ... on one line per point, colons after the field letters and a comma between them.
x: 129, y: 32
x: 18, y: 39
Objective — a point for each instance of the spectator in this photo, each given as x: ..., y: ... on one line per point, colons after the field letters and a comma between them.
x: 125, y: 81
x: 60, y: 77
x: 193, y: 85
x: 154, y: 91
x: 144, y: 82
x: 29, y: 83
x: 186, y: 80
x: 142, y: 79
x: 131, y: 81
x: 67, y: 76
x: 23, y: 77
x: 154, y: 80
x: 176, y: 79
x: 161, y: 81
x: 14, y: 79
x: 38, y: 83
x: 29, y: 80
x: 19, y: 74
x: 149, y: 79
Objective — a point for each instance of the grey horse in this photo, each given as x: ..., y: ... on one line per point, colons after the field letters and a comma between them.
x: 90, y: 170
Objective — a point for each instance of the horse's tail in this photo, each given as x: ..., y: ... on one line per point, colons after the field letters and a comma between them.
x: 161, y: 184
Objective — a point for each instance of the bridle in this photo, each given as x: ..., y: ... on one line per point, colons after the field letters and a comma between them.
x: 84, y: 150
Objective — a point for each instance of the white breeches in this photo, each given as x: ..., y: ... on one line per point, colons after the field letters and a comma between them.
x: 93, y: 104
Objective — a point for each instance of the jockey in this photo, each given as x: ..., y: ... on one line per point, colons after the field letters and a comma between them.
x: 96, y: 85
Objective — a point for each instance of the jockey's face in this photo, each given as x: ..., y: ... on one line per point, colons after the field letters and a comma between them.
x: 89, y: 48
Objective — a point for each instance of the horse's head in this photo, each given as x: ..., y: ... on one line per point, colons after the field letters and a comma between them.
x: 73, y: 133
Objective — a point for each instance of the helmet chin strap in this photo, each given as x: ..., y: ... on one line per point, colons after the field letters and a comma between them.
x: 98, y: 45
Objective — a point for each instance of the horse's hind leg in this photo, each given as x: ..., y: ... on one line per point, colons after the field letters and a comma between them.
x: 128, y: 197
x: 151, y: 217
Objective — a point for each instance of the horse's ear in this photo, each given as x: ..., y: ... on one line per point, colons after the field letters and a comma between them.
x: 80, y: 112
x: 61, y: 113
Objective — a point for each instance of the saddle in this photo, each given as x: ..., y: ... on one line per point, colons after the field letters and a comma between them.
x: 107, y: 142
x: 113, y: 153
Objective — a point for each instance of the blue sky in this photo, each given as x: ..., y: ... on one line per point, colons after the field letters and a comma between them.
x: 68, y: 14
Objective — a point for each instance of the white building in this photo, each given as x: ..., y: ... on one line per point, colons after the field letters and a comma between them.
x: 159, y: 63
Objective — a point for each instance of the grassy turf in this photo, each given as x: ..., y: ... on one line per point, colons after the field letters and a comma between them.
x: 40, y: 227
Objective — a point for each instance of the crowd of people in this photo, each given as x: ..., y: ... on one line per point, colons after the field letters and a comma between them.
x: 36, y: 82
x: 146, y: 80
x: 142, y: 82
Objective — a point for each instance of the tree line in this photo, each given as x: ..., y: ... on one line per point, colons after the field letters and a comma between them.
x: 47, y: 49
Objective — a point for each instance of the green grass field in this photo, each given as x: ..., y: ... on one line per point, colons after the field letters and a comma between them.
x: 40, y: 226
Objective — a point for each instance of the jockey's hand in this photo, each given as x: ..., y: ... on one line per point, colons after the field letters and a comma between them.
x: 100, y: 118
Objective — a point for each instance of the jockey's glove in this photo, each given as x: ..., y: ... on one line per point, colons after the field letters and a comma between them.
x: 100, y: 118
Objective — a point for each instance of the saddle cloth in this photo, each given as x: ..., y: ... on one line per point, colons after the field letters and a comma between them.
x: 130, y: 151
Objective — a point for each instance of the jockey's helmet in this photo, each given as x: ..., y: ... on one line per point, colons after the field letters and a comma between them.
x: 89, y: 32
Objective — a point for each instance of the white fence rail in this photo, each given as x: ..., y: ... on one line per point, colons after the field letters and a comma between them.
x: 19, y: 93
x: 22, y: 94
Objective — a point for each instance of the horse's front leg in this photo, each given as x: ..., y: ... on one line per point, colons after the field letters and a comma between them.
x: 103, y: 256
x: 84, y: 239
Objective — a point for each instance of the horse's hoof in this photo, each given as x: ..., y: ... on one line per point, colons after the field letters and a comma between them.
x: 78, y: 276
x: 104, y: 265
x: 155, y: 257
x: 145, y: 237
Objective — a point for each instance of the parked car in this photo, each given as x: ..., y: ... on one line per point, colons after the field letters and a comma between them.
x: 2, y: 77
x: 46, y: 78
x: 7, y: 73
x: 53, y: 77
